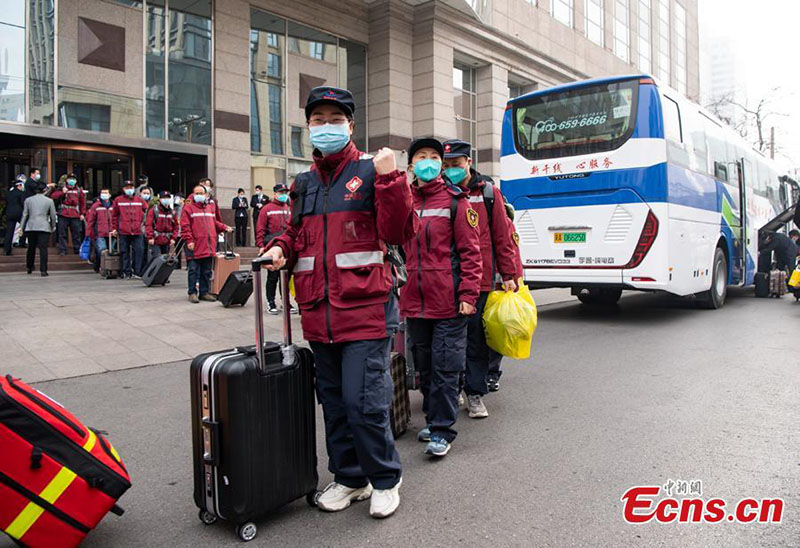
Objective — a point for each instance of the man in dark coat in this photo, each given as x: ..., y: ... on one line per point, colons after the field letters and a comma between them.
x: 15, y: 198
x: 784, y: 247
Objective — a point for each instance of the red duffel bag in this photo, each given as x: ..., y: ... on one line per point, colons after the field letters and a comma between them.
x: 58, y: 478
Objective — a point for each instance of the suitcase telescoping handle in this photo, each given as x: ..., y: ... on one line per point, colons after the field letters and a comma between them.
x: 288, y: 349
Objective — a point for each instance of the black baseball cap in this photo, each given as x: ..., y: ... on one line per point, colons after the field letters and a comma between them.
x: 280, y: 187
x: 424, y: 142
x: 164, y: 194
x: 342, y: 98
x: 456, y: 147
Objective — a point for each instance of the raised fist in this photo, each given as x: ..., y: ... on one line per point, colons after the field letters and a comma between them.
x: 384, y: 161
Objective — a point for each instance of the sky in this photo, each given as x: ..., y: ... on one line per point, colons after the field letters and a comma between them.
x: 765, y: 34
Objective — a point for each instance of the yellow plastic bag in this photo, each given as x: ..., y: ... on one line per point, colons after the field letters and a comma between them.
x: 509, y: 320
x: 794, y: 281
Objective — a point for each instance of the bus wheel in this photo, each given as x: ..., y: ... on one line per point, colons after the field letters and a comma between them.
x: 602, y: 297
x: 715, y: 297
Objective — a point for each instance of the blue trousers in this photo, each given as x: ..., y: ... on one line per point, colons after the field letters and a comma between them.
x: 200, y: 274
x: 355, y: 390
x: 482, y: 361
x: 439, y: 348
x: 100, y: 244
x: 132, y: 251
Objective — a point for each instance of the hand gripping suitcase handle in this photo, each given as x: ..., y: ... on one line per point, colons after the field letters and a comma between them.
x: 288, y: 349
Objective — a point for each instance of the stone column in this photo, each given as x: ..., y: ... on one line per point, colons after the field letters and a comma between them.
x: 492, y: 98
x: 390, y: 75
x: 230, y: 158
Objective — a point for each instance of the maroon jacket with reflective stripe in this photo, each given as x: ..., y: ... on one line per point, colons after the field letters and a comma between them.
x: 161, y: 225
x: 98, y: 220
x: 199, y: 226
x: 127, y: 215
x: 497, y: 246
x: 444, y: 259
x: 272, y: 220
x: 73, y: 202
x: 343, y: 214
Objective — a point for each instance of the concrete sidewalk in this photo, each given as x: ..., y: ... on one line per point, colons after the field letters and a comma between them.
x: 76, y: 323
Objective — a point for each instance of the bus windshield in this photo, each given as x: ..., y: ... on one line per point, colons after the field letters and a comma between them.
x: 586, y: 120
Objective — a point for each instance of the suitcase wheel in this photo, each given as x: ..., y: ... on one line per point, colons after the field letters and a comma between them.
x: 313, y: 497
x: 207, y: 517
x: 247, y: 531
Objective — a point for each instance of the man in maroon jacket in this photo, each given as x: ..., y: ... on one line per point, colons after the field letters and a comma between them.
x: 344, y: 210
x: 499, y: 263
x: 71, y: 213
x: 271, y: 223
x: 200, y: 229
x: 161, y: 226
x: 127, y: 218
x: 444, y: 283
x: 99, y: 225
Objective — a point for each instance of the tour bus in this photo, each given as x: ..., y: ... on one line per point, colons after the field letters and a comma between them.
x: 621, y: 183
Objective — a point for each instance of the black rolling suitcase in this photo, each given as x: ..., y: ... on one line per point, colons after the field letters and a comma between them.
x: 237, y: 289
x: 762, y: 284
x: 160, y: 269
x: 253, y: 427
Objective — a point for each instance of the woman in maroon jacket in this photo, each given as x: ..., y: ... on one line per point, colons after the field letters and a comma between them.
x: 161, y: 226
x: 444, y: 283
x: 344, y: 210
x: 99, y: 225
x: 199, y: 229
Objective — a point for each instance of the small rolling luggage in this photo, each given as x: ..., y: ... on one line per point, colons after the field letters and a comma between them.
x: 224, y: 263
x: 400, y: 413
x: 160, y: 269
x: 110, y: 259
x: 237, y: 289
x: 253, y: 426
x: 777, y: 283
x: 58, y: 478
x: 761, y: 282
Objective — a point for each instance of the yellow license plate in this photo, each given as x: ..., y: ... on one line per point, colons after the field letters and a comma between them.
x: 569, y: 237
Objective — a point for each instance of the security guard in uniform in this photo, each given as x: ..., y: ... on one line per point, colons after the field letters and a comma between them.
x: 344, y: 211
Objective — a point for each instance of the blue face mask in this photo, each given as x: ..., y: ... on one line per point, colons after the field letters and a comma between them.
x: 72, y: 182
x: 456, y: 174
x: 329, y: 138
x: 129, y: 192
x: 428, y: 169
x: 283, y: 198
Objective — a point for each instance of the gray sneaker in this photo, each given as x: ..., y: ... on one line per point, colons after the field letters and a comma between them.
x: 476, y: 408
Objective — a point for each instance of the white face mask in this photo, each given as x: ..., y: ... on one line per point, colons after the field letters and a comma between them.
x: 105, y: 196
x: 145, y: 196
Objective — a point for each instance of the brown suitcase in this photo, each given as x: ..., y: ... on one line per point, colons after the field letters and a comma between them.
x: 777, y: 283
x: 400, y: 413
x: 110, y: 260
x: 223, y: 265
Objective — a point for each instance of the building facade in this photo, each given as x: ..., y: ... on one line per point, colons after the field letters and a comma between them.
x: 178, y: 89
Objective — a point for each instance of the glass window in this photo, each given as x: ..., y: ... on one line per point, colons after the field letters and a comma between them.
x: 644, y: 38
x: 128, y: 3
x: 12, y: 61
x: 663, y: 41
x: 464, y: 106
x: 562, y: 11
x: 680, y: 49
x: 353, y: 76
x: 155, y: 84
x: 41, y: 59
x: 585, y: 120
x: 594, y: 21
x: 287, y: 60
x: 96, y: 111
x: 190, y: 71
x: 672, y: 120
x: 622, y: 30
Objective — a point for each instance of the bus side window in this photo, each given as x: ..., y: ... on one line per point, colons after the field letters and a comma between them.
x: 672, y: 120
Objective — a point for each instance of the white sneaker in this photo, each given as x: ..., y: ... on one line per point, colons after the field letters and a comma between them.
x: 337, y: 497
x: 385, y: 501
x: 476, y: 408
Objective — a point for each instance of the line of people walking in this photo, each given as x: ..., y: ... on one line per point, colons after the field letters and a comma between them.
x: 450, y: 222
